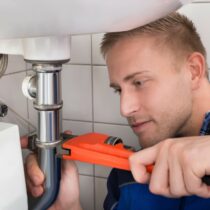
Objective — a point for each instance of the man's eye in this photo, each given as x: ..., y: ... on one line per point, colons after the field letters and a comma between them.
x: 117, y: 91
x: 138, y: 83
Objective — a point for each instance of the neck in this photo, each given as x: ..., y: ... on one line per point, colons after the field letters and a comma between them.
x: 201, y: 105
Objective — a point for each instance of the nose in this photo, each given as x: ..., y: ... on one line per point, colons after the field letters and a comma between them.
x: 129, y: 103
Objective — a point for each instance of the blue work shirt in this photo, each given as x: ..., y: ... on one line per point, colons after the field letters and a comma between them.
x: 126, y: 194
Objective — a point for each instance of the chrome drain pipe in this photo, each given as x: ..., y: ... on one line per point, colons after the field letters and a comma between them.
x: 48, y: 103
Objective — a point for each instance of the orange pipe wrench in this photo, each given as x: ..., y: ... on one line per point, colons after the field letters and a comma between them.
x: 97, y: 148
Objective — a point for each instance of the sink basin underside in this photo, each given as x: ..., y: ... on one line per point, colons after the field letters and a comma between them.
x: 39, y: 30
x: 25, y: 18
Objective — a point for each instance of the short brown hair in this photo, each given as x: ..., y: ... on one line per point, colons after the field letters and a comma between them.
x: 175, y: 30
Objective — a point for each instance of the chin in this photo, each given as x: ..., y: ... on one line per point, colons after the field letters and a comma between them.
x: 147, y: 142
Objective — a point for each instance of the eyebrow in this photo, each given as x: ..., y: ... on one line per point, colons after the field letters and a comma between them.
x: 113, y: 85
x: 127, y: 78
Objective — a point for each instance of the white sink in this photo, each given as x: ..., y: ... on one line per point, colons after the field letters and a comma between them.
x: 40, y: 29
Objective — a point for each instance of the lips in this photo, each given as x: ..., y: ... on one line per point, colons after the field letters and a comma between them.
x: 137, y: 127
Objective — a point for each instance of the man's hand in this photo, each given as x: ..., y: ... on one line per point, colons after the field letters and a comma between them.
x: 68, y: 197
x: 179, y: 165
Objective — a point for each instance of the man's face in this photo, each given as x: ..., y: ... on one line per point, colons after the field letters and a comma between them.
x: 155, y: 97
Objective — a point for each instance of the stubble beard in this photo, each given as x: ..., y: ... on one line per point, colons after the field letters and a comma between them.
x: 161, y: 131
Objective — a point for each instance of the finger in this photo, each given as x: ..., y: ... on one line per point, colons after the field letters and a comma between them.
x: 138, y: 162
x: 36, y: 191
x: 24, y: 142
x: 177, y: 185
x: 68, y: 132
x: 159, y: 181
x: 34, y: 172
x: 195, y: 185
x: 195, y: 165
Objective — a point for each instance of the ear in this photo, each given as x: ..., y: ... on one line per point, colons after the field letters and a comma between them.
x: 197, y: 68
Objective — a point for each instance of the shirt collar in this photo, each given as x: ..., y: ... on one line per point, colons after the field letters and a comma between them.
x: 205, y: 129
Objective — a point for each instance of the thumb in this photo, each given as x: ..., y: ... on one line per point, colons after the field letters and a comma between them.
x: 139, y: 162
x: 24, y: 142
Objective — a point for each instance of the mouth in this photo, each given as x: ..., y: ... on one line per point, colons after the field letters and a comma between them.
x: 139, y: 126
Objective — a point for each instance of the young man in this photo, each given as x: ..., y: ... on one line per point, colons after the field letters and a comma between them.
x: 160, y: 72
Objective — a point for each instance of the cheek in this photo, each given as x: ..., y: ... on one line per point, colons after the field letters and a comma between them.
x: 172, y: 99
x: 166, y: 96
x: 156, y: 100
x: 162, y: 100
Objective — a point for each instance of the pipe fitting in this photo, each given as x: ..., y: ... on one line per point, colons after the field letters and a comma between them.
x: 29, y: 87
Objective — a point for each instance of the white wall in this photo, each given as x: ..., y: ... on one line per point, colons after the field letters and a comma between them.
x: 89, y: 103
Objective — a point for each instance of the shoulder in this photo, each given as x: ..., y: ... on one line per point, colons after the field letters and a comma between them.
x: 120, y: 176
x: 116, y: 179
